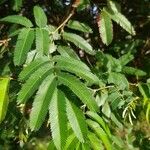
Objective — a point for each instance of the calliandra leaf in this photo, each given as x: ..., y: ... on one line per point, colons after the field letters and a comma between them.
x: 23, y: 45
x: 42, y: 41
x: 79, y: 42
x: 119, y: 80
x: 42, y: 101
x: 77, y: 67
x: 99, y: 120
x: 126, y: 58
x: 71, y: 142
x: 121, y: 20
x: 40, y: 17
x: 77, y: 25
x: 133, y: 71
x: 4, y: 98
x: 18, y: 20
x: 79, y: 89
x: 32, y: 67
x: 58, y: 119
x: 77, y: 121
x: 67, y: 51
x: 114, y: 6
x: 33, y: 83
x: 94, y: 141
x: 105, y: 28
x: 100, y: 133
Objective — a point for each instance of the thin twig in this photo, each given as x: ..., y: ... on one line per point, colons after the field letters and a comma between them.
x: 106, y: 87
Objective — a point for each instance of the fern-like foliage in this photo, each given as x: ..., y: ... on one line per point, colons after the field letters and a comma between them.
x: 23, y: 45
x: 18, y: 20
x: 58, y: 119
x: 42, y: 41
x: 94, y: 141
x: 77, y: 121
x: 48, y: 73
x: 32, y: 67
x: 77, y: 67
x: 67, y: 51
x: 121, y: 20
x: 33, y: 82
x: 79, y: 42
x: 100, y: 133
x: 79, y: 89
x: 71, y: 142
x: 42, y: 101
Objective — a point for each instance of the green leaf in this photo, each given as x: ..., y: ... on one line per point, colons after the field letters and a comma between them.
x: 105, y: 28
x: 40, y: 17
x: 114, y: 99
x: 133, y: 71
x: 144, y: 90
x: 18, y: 20
x: 62, y: 59
x: 114, y: 6
x: 119, y: 80
x: 71, y: 142
x: 75, y: 66
x: 32, y: 67
x: 76, y: 25
x: 42, y: 101
x: 4, y: 99
x: 116, y: 121
x: 113, y: 64
x: 33, y: 83
x: 79, y: 42
x: 94, y: 141
x: 106, y: 110
x: 148, y: 112
x: 100, y: 133
x: 66, y: 51
x: 23, y: 45
x: 79, y: 89
x: 121, y: 20
x: 78, y: 146
x: 14, y: 33
x: 42, y: 41
x: 126, y: 58
x: 77, y: 121
x: 85, y: 146
x: 58, y: 119
x: 17, y: 5
x: 83, y: 4
x: 51, y: 146
x: 99, y: 120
